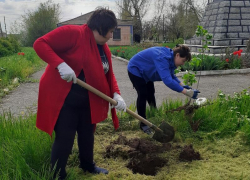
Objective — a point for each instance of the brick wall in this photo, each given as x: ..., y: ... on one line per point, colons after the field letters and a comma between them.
x: 125, y: 37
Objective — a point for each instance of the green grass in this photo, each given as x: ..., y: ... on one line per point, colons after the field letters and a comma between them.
x: 127, y: 52
x: 25, y: 151
x: 223, y: 140
x: 17, y: 68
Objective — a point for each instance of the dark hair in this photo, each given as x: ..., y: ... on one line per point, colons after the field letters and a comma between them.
x: 183, y: 50
x: 102, y: 20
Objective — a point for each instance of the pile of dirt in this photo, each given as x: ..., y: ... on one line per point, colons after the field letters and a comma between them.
x: 188, y: 154
x: 143, y: 154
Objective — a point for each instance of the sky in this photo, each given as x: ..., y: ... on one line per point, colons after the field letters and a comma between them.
x: 12, y: 10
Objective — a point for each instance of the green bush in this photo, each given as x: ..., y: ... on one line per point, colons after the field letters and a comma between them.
x: 3, y: 51
x: 15, y: 43
x: 6, y: 47
x: 208, y: 63
x: 9, y: 46
x: 179, y: 41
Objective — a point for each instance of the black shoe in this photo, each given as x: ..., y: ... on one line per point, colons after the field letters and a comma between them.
x: 98, y: 170
x: 91, y: 168
x: 145, y: 129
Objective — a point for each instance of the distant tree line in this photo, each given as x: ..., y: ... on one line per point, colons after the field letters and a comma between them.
x: 170, y: 21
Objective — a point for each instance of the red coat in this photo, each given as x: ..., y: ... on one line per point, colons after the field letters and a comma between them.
x: 76, y: 46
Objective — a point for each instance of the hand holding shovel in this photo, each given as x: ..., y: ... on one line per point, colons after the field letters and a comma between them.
x: 163, y: 134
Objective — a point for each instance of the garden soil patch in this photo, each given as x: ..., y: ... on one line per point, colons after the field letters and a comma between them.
x: 144, y: 156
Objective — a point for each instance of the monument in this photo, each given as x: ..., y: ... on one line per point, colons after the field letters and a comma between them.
x: 229, y: 23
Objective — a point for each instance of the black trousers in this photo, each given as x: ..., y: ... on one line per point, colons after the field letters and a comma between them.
x: 74, y: 117
x: 145, y: 93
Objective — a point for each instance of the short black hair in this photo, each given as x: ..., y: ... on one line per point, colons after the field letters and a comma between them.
x: 183, y: 50
x: 102, y: 20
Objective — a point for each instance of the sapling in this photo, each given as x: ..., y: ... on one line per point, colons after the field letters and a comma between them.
x: 189, y: 78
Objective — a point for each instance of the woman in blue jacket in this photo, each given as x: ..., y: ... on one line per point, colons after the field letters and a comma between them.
x: 157, y: 64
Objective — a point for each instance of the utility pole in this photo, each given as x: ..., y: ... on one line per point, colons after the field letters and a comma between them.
x: 5, y: 26
x: 1, y: 31
x: 163, y: 30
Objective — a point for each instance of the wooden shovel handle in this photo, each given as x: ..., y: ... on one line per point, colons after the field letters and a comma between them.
x: 113, y: 102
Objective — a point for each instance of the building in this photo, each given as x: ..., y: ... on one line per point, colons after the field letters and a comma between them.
x: 229, y: 23
x: 122, y: 36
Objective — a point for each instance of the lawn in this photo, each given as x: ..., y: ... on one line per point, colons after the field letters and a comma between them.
x: 222, y: 141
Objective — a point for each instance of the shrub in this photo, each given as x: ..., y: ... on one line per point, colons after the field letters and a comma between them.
x: 208, y: 63
x: 15, y: 43
x: 3, y: 51
x: 6, y: 47
x: 179, y: 41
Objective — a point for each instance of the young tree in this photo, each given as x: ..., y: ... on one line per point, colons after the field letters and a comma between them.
x: 37, y: 23
x: 183, y: 19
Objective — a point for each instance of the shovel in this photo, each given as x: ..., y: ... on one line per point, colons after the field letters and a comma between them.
x: 165, y: 133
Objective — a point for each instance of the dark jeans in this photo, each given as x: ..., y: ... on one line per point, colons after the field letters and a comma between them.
x: 74, y: 117
x: 145, y: 92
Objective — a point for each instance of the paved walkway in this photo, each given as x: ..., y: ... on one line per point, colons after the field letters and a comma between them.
x: 24, y: 98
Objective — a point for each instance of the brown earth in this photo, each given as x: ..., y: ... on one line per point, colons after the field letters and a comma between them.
x: 144, y: 156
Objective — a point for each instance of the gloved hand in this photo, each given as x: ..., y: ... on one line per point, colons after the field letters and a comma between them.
x: 186, y: 87
x: 121, y: 105
x: 66, y: 72
x: 193, y: 93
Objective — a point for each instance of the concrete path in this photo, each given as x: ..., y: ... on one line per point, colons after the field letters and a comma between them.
x: 208, y: 85
x: 24, y: 98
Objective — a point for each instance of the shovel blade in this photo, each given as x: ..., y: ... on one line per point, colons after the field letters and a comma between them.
x: 167, y: 135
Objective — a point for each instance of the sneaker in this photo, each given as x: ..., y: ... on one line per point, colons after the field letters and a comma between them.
x: 146, y: 129
x: 94, y: 169
x: 98, y: 170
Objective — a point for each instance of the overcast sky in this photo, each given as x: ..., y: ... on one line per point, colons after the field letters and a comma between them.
x: 13, y: 9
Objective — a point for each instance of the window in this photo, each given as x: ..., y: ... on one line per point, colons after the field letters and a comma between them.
x: 117, y: 34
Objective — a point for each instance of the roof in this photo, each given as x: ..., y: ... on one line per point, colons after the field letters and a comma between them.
x: 84, y: 18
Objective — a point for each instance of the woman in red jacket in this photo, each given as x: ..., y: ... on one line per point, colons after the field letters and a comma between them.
x: 64, y: 107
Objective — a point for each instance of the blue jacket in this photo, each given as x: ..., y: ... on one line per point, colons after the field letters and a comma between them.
x: 155, y: 64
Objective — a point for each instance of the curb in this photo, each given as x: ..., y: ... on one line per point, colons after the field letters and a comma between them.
x: 204, y: 73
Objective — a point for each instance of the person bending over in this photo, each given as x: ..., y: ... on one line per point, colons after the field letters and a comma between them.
x: 157, y: 64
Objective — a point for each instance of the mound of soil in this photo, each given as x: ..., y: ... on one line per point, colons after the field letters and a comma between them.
x: 188, y: 154
x: 148, y: 165
x: 143, y: 154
